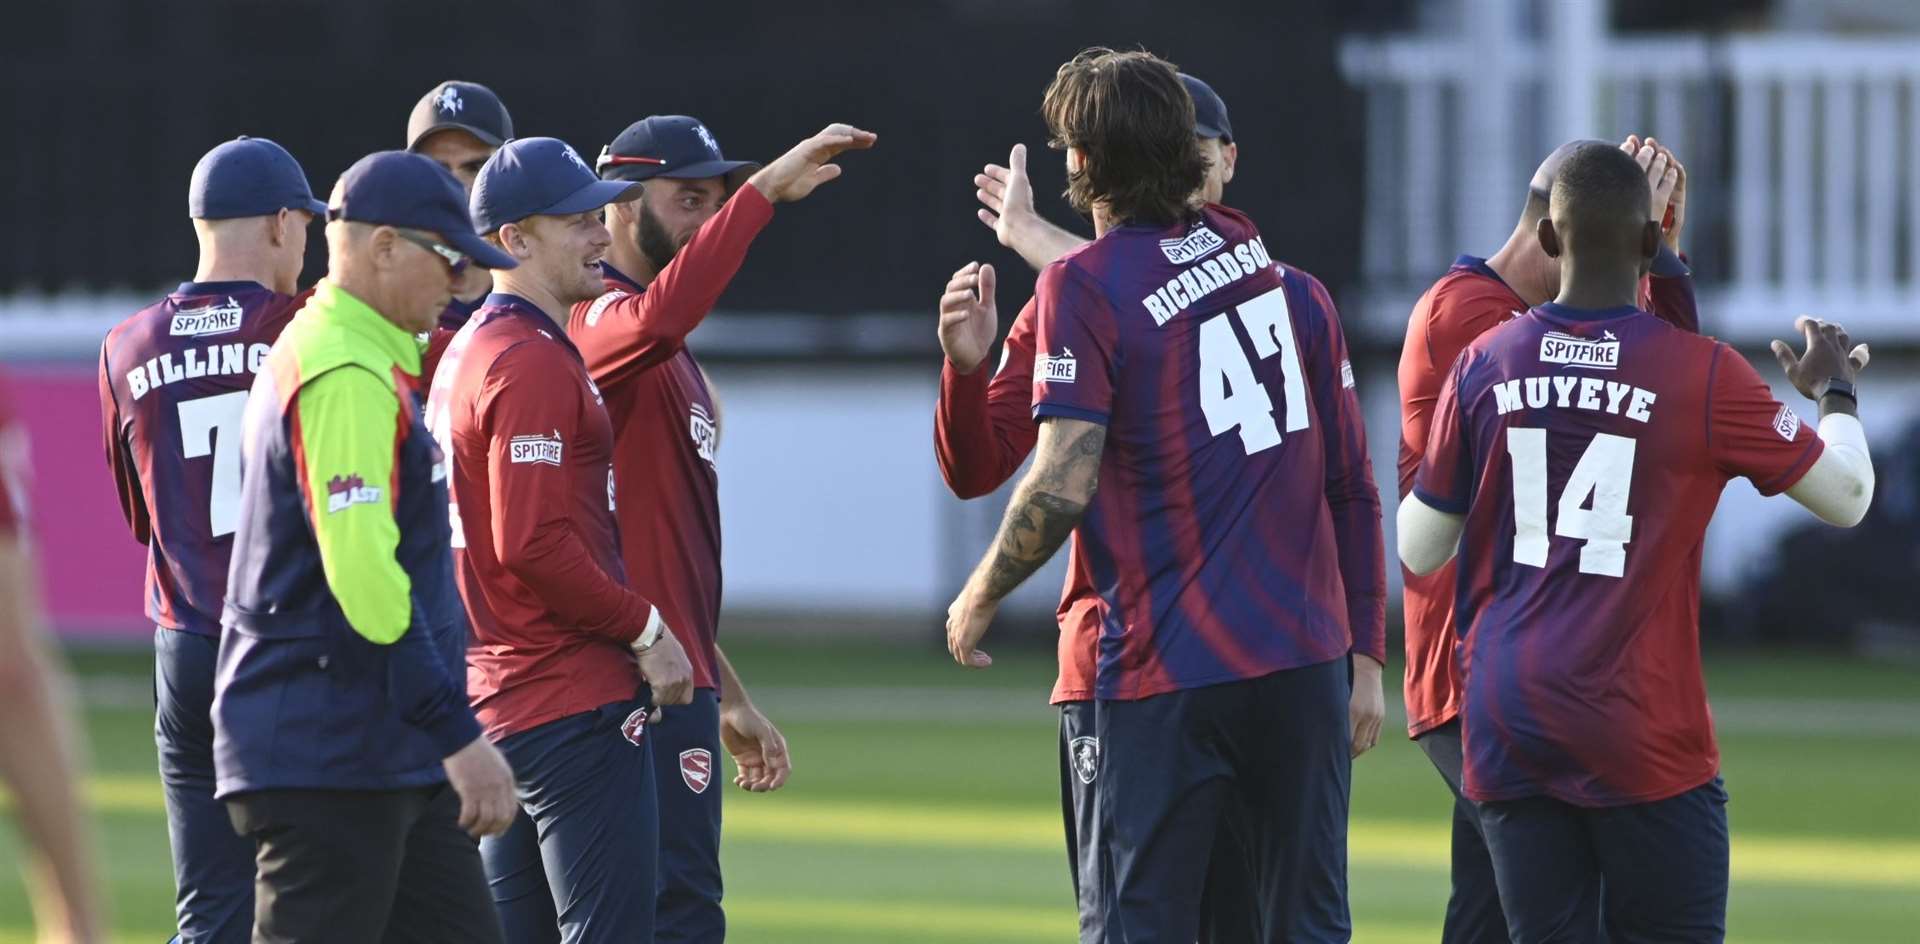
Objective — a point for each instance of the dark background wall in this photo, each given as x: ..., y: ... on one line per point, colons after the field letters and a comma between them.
x: 106, y: 104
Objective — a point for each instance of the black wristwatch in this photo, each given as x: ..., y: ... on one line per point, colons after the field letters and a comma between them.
x: 1836, y: 387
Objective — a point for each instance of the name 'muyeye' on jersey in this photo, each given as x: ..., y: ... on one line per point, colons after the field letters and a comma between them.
x: 1587, y: 450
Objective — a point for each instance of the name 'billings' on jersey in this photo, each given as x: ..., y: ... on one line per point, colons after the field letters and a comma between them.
x: 1233, y: 432
x: 1587, y: 450
x: 173, y: 387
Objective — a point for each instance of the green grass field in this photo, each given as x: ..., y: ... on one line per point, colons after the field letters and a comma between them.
x: 923, y: 807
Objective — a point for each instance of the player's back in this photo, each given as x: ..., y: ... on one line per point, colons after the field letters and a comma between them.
x: 1587, y: 450
x: 1214, y: 369
x: 174, y: 381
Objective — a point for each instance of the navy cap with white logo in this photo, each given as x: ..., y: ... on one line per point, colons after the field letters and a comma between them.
x: 408, y: 190
x: 673, y: 146
x: 1209, y: 112
x: 465, y: 106
x: 248, y: 177
x: 539, y: 176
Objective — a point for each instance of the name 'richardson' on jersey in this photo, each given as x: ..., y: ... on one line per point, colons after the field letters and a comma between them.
x: 1215, y: 270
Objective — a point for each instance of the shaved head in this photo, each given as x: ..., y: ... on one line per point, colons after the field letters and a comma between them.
x: 1599, y: 198
x: 1540, y: 188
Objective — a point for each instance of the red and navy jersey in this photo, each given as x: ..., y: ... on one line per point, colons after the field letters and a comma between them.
x: 983, y: 429
x: 534, y: 537
x: 1470, y: 300
x: 1587, y: 450
x: 173, y: 389
x: 666, y: 424
x: 1236, y: 529
x: 13, y: 469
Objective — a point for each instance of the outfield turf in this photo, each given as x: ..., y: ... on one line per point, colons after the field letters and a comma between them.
x: 923, y: 807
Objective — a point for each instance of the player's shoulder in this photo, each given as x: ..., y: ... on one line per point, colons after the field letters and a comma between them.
x: 1470, y: 290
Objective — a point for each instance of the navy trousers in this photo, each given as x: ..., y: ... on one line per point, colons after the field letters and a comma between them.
x: 1229, y: 911
x: 1473, y: 907
x: 1266, y: 757
x: 1655, y: 872
x: 579, y: 864
x: 212, y: 865
x: 690, y: 782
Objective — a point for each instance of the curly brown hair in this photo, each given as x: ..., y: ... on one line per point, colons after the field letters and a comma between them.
x: 1132, y: 119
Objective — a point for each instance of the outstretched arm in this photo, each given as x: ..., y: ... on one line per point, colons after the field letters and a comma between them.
x: 1045, y: 509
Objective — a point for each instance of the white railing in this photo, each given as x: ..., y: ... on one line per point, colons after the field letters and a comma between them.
x: 1803, y: 155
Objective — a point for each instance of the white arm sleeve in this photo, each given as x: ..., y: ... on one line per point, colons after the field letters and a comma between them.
x: 1429, y: 537
x: 1839, y: 487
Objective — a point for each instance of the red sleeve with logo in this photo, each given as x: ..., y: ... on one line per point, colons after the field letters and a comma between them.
x: 1352, y: 498
x: 621, y: 334
x: 1074, y: 348
x: 983, y: 425
x: 1751, y: 434
x: 532, y: 502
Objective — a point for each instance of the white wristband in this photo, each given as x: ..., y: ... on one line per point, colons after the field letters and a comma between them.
x: 650, y: 635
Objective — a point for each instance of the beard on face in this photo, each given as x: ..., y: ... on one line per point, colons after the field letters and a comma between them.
x: 655, y: 242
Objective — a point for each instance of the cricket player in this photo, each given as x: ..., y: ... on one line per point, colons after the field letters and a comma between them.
x: 1475, y: 296
x: 39, y: 742
x: 1580, y: 449
x: 674, y: 250
x: 556, y: 630
x: 173, y: 389
x: 343, y: 743
x: 1196, y: 414
x: 458, y: 125
x: 983, y: 431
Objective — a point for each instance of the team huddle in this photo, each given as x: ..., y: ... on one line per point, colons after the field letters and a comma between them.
x: 434, y: 543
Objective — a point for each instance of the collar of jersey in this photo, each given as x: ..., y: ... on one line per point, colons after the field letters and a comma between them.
x: 607, y: 269
x: 506, y: 303
x: 1560, y: 312
x: 340, y: 307
x: 196, y: 289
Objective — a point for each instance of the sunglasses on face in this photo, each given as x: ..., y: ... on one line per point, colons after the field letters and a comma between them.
x: 457, y: 261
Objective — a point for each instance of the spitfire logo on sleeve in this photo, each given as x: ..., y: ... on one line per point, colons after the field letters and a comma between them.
x: 344, y: 492
x: 1056, y: 368
x: 536, y: 449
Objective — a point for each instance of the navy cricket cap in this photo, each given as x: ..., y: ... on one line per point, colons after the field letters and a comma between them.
x: 249, y: 177
x: 466, y: 106
x: 408, y: 190
x: 672, y: 146
x: 1209, y: 112
x: 536, y: 177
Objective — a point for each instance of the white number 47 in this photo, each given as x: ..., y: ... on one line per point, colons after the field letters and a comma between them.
x: 1230, y: 396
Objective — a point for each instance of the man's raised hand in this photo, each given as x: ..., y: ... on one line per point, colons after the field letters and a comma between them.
x: 795, y: 174
x: 1667, y: 177
x: 1006, y: 196
x: 1831, y: 355
x: 968, y: 320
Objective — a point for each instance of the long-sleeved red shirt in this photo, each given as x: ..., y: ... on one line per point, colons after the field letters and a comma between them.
x: 666, y: 427
x: 533, y: 499
x: 983, y: 428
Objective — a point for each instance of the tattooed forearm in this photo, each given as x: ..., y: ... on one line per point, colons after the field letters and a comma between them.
x: 1046, y: 507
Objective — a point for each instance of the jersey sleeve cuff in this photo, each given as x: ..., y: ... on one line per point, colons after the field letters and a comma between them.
x: 1452, y: 506
x: 1795, y: 472
x: 1065, y: 411
x: 454, y: 729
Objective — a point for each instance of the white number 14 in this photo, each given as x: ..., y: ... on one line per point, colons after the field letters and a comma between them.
x: 1604, y: 472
